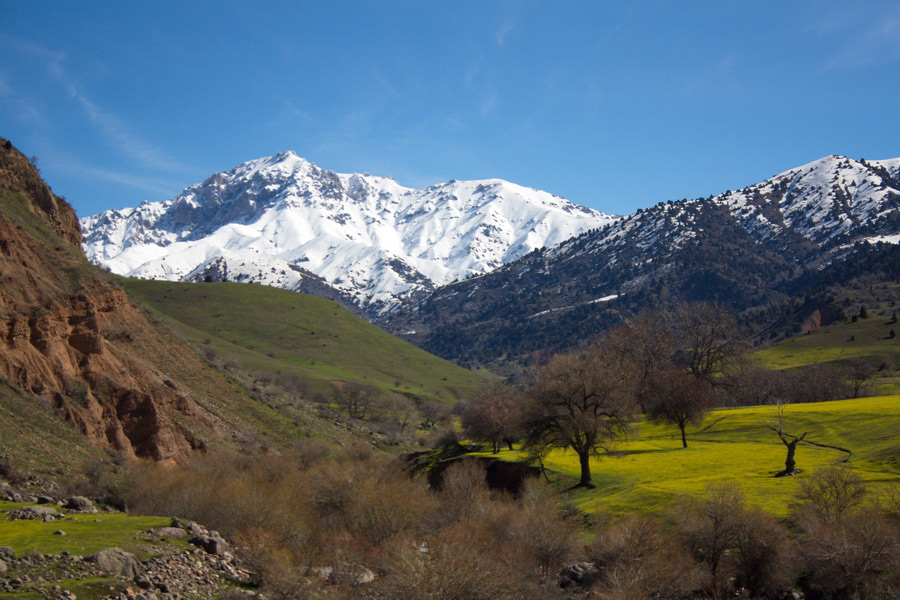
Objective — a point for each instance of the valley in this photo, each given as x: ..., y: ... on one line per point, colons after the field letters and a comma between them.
x: 292, y: 439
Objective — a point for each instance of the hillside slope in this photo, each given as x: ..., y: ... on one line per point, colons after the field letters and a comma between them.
x: 750, y: 248
x: 271, y: 329
x: 74, y: 346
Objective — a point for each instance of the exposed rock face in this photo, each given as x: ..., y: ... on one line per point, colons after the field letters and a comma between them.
x: 18, y: 176
x: 115, y: 561
x: 70, y: 337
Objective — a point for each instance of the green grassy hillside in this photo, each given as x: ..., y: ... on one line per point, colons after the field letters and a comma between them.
x: 868, y: 339
x: 37, y: 439
x: 272, y: 329
x: 736, y: 445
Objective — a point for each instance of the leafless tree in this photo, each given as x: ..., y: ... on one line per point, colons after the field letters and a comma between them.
x: 858, y: 372
x: 398, y: 409
x: 433, y: 413
x: 790, y: 442
x: 648, y: 343
x: 832, y: 491
x: 710, y: 338
x: 583, y: 401
x: 678, y: 398
x: 494, y: 416
x: 355, y: 398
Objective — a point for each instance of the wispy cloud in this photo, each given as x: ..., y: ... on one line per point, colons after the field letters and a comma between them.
x: 489, y: 104
x: 874, y: 41
x: 500, y: 34
x: 157, y: 187
x: 119, y: 135
x: 111, y: 127
x: 294, y: 110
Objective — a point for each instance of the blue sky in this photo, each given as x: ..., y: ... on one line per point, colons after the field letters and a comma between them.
x: 612, y: 105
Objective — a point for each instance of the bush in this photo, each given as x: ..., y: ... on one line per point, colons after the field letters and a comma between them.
x: 831, y: 492
x: 855, y: 557
x: 10, y: 472
x: 464, y: 562
x: 637, y: 559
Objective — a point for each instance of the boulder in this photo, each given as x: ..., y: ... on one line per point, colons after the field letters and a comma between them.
x: 212, y: 545
x: 172, y: 532
x: 580, y: 574
x: 3, y: 566
x: 7, y: 552
x: 188, y: 526
x: 79, y: 504
x: 41, y: 510
x: 115, y: 561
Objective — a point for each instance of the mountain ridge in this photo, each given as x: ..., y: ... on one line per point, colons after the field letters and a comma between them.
x: 744, y: 248
x: 280, y: 220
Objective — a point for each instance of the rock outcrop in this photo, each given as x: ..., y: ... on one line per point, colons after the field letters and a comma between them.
x: 72, y: 339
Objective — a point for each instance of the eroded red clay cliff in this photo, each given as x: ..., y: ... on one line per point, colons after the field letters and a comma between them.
x: 69, y: 336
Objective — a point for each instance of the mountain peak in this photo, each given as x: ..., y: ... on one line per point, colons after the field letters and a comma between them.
x: 272, y: 219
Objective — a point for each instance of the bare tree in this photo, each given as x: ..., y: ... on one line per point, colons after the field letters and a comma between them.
x: 832, y: 491
x: 790, y: 442
x: 710, y: 337
x: 678, y: 398
x: 355, y: 398
x: 433, y: 413
x: 398, y: 409
x: 494, y: 416
x: 583, y: 401
x: 858, y: 372
x: 648, y: 343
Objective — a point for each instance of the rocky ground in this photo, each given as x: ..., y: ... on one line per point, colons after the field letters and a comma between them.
x: 183, y: 561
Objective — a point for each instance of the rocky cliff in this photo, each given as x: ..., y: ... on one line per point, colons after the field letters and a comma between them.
x: 73, y: 340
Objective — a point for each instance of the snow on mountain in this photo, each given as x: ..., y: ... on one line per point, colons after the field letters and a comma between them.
x: 747, y: 248
x: 278, y: 220
x: 820, y: 206
x: 820, y: 201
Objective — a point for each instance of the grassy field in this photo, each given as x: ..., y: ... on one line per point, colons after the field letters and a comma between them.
x: 866, y: 338
x: 735, y: 445
x: 85, y: 533
x: 276, y: 330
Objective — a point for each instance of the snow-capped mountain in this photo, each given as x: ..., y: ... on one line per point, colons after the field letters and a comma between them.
x: 746, y: 248
x: 280, y: 220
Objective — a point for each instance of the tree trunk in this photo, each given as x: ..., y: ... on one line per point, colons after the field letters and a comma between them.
x: 683, y: 437
x: 789, y: 463
x: 584, y: 459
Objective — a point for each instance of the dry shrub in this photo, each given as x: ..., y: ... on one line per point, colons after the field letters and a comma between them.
x: 891, y: 502
x: 10, y: 472
x: 710, y: 527
x: 766, y: 563
x: 854, y: 558
x: 830, y: 492
x: 638, y: 560
x: 741, y: 548
x: 386, y: 507
x: 224, y: 493
x: 538, y: 527
x: 464, y: 493
x: 464, y: 562
x: 308, y: 453
x: 279, y: 571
